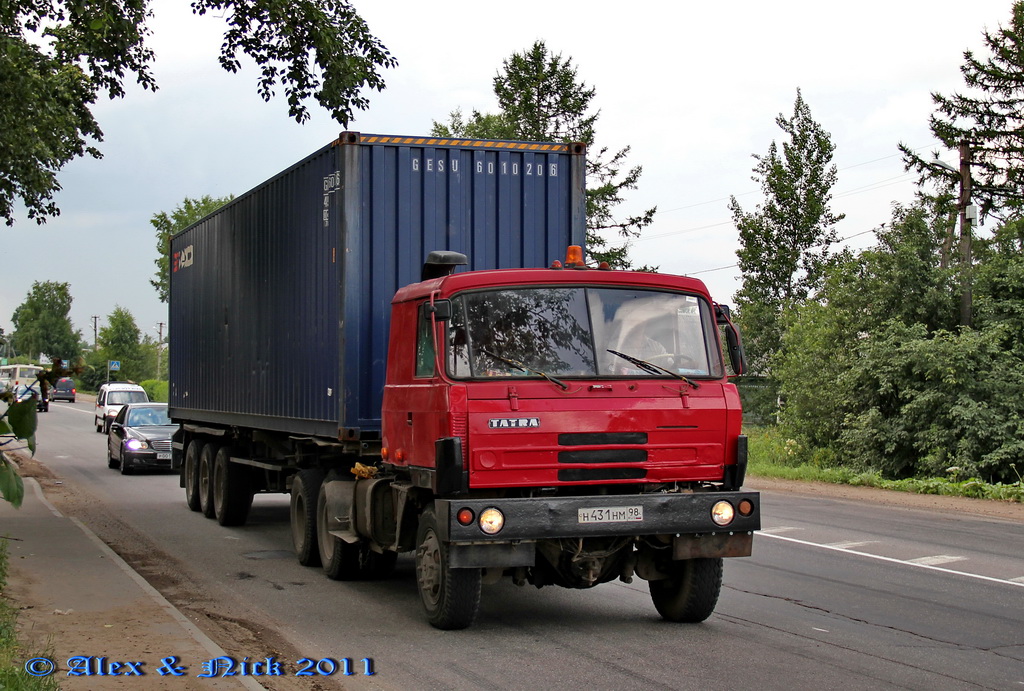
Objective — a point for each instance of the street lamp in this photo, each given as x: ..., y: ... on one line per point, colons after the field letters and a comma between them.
x: 968, y: 216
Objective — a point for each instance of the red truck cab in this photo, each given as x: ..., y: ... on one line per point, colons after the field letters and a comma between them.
x: 570, y: 426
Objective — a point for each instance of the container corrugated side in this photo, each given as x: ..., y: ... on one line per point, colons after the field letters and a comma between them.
x: 290, y: 287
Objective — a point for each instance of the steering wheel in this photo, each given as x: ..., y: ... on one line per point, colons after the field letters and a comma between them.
x: 678, y: 359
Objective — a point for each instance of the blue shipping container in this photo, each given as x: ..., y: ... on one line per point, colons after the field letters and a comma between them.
x: 280, y: 300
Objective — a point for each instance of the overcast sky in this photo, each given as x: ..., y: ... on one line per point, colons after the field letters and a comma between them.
x: 693, y: 88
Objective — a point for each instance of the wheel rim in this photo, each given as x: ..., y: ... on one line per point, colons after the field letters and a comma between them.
x: 190, y: 474
x: 219, y: 470
x: 298, y: 522
x: 325, y: 539
x: 428, y: 568
x: 204, y: 479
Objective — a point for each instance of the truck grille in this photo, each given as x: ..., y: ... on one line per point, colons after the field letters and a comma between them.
x: 592, y: 474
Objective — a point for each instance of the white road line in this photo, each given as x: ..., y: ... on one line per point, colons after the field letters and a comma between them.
x: 1017, y: 582
x: 1019, y: 579
x: 851, y: 544
x: 936, y: 560
x: 780, y: 529
x: 78, y: 409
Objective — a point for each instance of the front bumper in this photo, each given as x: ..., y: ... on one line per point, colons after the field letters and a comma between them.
x: 145, y: 459
x: 684, y: 517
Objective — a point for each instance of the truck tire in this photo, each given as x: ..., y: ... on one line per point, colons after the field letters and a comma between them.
x: 190, y: 469
x: 345, y: 561
x: 450, y: 597
x: 232, y: 490
x: 305, y: 490
x: 206, y: 459
x: 690, y: 593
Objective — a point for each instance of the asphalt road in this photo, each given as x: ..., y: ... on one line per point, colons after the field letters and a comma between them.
x: 837, y: 595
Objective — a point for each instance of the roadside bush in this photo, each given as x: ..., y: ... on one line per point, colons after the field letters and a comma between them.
x: 930, y: 403
x: 157, y: 390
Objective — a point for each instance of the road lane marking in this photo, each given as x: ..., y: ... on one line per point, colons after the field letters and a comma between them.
x: 1019, y: 579
x: 936, y: 560
x: 780, y: 529
x: 851, y: 544
x: 71, y: 406
x: 1017, y: 582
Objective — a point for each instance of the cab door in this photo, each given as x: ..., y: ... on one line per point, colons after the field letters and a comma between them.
x: 415, y: 410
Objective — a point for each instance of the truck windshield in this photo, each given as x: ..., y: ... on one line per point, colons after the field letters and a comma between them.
x: 569, y: 331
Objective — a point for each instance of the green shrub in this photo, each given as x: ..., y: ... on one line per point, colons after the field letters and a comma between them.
x: 156, y: 389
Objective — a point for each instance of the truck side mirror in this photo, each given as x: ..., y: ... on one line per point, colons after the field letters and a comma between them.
x: 441, y: 309
x: 737, y: 356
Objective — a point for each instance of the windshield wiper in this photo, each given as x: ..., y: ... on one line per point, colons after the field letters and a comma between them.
x: 652, y: 368
x: 519, y: 365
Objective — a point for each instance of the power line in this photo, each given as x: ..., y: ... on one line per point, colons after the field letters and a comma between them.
x: 731, y: 266
x: 865, y: 188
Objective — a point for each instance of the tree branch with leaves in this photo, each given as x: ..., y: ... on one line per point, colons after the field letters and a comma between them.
x: 57, y: 57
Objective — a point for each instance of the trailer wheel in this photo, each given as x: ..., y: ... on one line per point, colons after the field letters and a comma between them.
x: 232, y: 490
x: 344, y: 561
x: 305, y: 489
x: 191, y: 471
x: 450, y: 597
x: 206, y: 459
x: 690, y: 593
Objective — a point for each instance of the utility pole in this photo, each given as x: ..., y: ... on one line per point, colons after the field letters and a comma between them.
x: 967, y: 216
x: 95, y: 344
x: 159, y: 346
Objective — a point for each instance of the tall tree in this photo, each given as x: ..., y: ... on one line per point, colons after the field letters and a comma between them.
x: 120, y: 340
x: 42, y: 325
x: 542, y: 99
x: 167, y: 224
x: 988, y: 116
x: 784, y: 243
x: 57, y: 57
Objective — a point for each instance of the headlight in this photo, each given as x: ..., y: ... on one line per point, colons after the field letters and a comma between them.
x: 491, y: 521
x: 722, y: 513
x: 136, y: 444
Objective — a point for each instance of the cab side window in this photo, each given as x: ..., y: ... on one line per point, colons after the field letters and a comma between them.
x: 425, y: 344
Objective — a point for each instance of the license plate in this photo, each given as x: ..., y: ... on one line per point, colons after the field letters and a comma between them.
x: 611, y: 514
x: 163, y: 456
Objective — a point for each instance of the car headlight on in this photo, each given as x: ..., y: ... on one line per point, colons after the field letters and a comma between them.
x: 722, y: 513
x: 136, y: 444
x: 491, y: 521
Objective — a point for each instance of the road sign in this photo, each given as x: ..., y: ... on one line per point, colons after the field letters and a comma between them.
x: 114, y: 365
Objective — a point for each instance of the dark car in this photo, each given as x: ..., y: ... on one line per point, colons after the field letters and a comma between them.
x: 63, y: 390
x: 140, y: 437
x: 23, y: 393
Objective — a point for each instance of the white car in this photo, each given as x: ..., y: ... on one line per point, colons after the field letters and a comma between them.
x: 111, y: 397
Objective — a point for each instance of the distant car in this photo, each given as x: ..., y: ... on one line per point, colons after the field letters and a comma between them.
x: 140, y: 437
x: 63, y: 390
x: 23, y: 393
x: 111, y: 397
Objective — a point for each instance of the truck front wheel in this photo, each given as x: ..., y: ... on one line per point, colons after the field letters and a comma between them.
x: 690, y: 593
x: 305, y: 489
x: 451, y: 597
